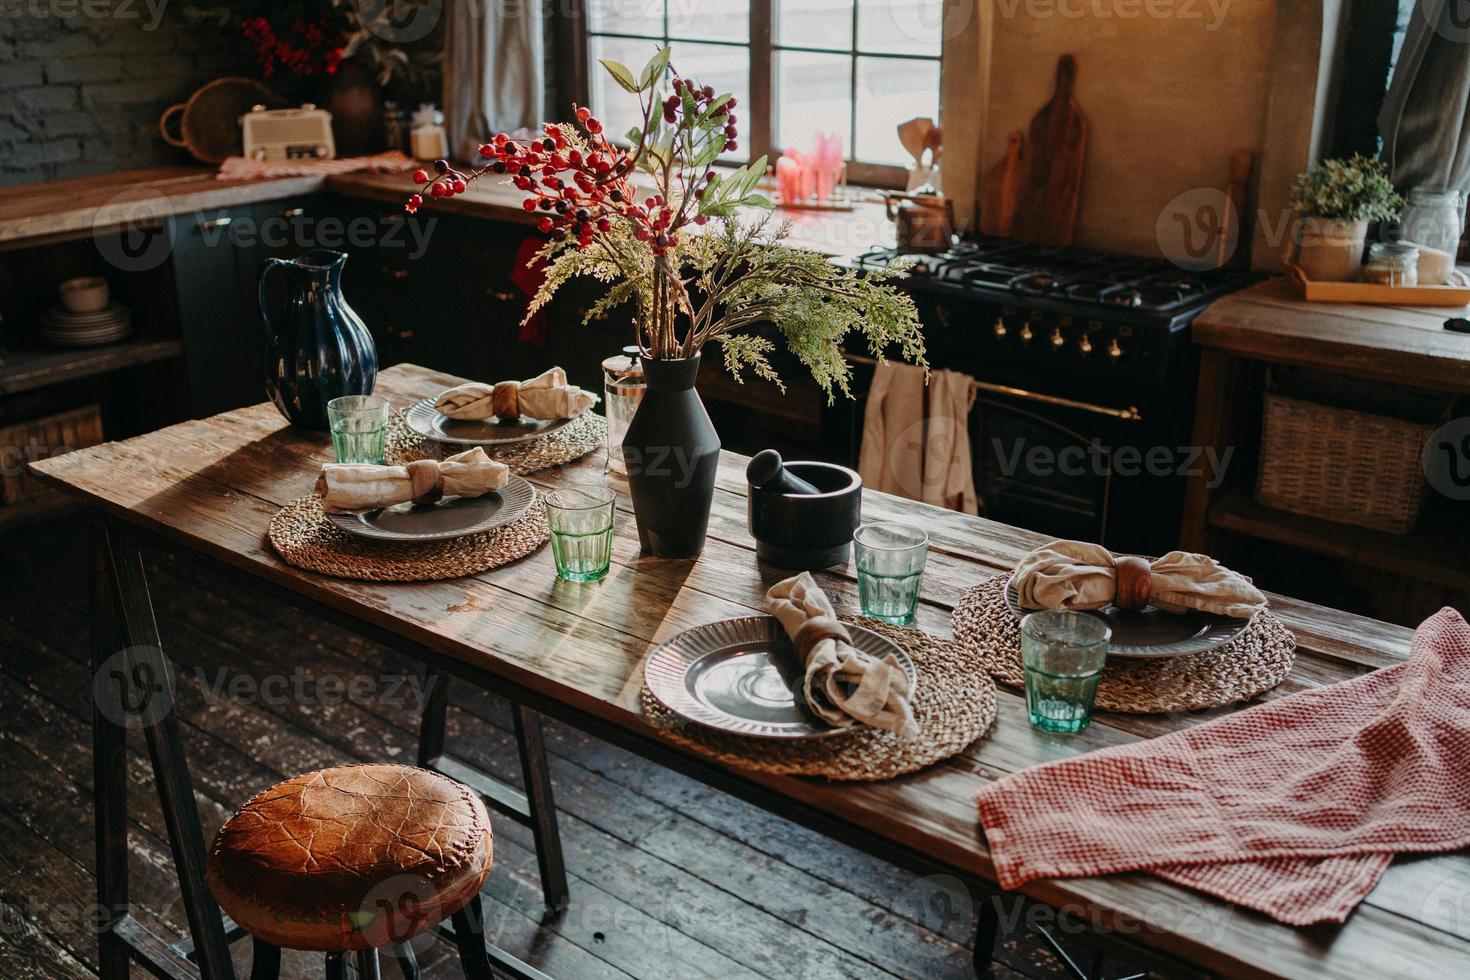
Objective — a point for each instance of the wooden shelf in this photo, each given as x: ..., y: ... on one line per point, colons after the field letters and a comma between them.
x: 1434, y: 552
x: 27, y: 368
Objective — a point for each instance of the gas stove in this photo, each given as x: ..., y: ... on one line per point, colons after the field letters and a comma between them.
x: 1080, y: 280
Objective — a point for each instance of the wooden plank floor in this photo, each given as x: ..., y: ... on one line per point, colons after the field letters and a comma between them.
x: 669, y: 879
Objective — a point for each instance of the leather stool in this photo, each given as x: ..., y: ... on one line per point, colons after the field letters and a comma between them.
x: 352, y: 859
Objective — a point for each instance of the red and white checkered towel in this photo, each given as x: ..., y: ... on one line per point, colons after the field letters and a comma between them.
x: 1293, y: 808
x: 243, y: 168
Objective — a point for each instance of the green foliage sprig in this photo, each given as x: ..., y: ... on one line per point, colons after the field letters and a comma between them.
x: 1351, y: 189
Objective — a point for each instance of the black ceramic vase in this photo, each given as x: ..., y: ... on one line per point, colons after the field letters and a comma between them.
x: 672, y: 452
x: 317, y: 348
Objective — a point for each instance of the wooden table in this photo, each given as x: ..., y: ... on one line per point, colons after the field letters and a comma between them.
x: 575, y: 652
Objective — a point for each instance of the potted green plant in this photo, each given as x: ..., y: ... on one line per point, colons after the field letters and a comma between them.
x: 676, y: 245
x: 1333, y: 203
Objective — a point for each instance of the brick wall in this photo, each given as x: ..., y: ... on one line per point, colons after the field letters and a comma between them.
x: 82, y: 83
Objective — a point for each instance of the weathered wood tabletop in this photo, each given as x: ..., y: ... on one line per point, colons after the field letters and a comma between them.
x: 213, y: 485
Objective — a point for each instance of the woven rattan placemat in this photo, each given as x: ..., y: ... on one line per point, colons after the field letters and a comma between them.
x: 1255, y: 662
x: 301, y: 535
x: 588, y: 432
x: 954, y: 704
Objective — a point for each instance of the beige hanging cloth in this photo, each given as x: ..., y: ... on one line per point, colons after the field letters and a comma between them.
x: 949, y: 477
x: 892, y: 455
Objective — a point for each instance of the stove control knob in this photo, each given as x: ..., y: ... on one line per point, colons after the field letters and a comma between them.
x: 1114, y: 351
x: 1057, y: 340
x: 1000, y: 327
x: 1026, y: 334
x: 1085, y: 345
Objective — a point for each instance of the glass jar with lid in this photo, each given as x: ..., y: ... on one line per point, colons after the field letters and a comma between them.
x: 623, y: 387
x: 1433, y: 218
x: 1392, y: 264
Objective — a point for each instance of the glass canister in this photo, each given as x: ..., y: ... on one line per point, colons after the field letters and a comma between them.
x: 1433, y: 218
x: 1392, y: 264
x: 623, y: 386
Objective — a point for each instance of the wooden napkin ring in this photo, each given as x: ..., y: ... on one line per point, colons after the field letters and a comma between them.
x: 427, y: 483
x: 505, y: 400
x: 1135, y: 579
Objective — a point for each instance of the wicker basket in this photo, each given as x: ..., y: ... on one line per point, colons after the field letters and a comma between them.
x: 1341, y: 464
x: 24, y: 442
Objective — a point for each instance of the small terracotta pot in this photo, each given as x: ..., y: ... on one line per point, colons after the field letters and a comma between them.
x: 1329, y: 249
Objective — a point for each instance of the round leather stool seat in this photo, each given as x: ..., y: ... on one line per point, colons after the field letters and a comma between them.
x: 351, y: 858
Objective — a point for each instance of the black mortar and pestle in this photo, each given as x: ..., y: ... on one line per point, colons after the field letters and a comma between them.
x: 802, y: 514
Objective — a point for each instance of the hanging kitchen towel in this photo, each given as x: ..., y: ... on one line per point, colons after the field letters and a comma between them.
x: 949, y: 477
x: 892, y: 455
x: 1293, y: 808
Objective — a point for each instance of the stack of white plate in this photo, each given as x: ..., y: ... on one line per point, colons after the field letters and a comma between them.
x: 64, y: 328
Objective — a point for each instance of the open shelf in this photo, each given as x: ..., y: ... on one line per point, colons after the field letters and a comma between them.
x: 26, y: 368
x: 1433, y: 552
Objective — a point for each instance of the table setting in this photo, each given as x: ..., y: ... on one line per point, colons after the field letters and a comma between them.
x: 438, y: 489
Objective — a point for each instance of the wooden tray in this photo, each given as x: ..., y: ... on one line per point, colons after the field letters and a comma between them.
x: 1372, y: 292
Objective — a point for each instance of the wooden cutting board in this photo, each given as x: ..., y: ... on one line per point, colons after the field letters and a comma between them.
x: 1056, y: 145
x: 1003, y: 188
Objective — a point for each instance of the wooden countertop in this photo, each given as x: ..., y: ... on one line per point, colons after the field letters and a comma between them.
x: 213, y: 485
x: 1403, y: 344
x: 37, y: 213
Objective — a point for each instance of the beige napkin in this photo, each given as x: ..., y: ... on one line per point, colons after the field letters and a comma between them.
x: 546, y: 396
x: 1079, y: 575
x: 842, y: 686
x: 351, y: 488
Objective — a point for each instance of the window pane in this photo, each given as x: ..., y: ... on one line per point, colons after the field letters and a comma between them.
x: 726, y: 68
x: 813, y: 23
x: 617, y: 109
x: 891, y: 91
x: 813, y: 93
x: 900, y: 26
x: 644, y: 17
x: 708, y: 20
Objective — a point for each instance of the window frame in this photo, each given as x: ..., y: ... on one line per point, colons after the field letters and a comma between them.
x: 757, y: 123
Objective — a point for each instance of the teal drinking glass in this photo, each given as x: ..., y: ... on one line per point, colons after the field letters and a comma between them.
x: 581, y: 520
x: 890, y: 567
x: 359, y: 428
x: 1063, y: 653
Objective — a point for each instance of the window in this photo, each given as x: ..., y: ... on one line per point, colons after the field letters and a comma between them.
x: 856, y: 68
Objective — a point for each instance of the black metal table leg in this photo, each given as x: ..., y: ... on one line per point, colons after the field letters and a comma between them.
x: 536, y: 770
x: 134, y: 686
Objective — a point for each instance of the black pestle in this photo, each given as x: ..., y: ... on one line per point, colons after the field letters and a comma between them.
x: 768, y: 472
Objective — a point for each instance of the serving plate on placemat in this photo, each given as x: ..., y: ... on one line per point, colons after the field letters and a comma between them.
x: 423, y: 419
x: 742, y: 676
x: 1151, y: 633
x: 452, y: 517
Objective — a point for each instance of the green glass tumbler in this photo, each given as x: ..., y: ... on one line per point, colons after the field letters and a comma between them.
x: 581, y: 521
x: 359, y: 428
x: 1064, y: 654
x: 890, y: 567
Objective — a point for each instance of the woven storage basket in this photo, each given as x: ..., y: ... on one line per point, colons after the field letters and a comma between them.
x: 1341, y: 464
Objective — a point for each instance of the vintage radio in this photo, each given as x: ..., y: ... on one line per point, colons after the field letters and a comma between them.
x: 288, y: 134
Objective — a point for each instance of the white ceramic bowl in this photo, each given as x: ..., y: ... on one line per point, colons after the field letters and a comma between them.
x: 87, y: 294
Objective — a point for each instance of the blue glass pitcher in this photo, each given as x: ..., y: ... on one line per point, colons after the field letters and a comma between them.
x: 317, y: 348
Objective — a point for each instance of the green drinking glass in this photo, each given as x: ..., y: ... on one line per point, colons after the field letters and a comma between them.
x: 581, y: 521
x: 359, y: 428
x: 1063, y: 654
x: 890, y: 567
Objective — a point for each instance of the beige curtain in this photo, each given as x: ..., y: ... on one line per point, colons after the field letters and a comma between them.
x: 916, y: 440
x: 494, y: 70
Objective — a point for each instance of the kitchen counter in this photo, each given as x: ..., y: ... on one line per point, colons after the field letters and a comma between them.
x: 78, y: 207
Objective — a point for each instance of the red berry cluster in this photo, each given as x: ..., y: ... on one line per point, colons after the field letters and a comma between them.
x: 305, y: 48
